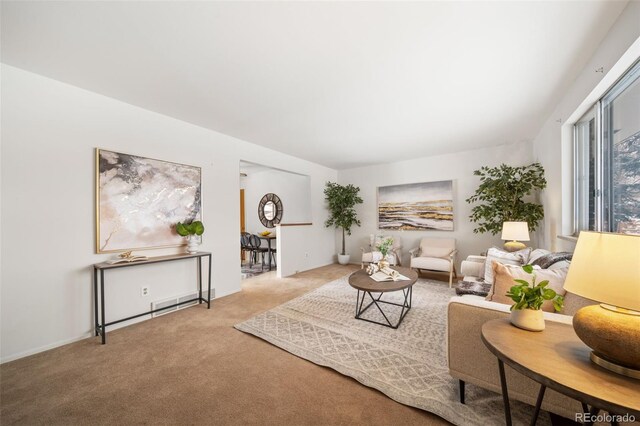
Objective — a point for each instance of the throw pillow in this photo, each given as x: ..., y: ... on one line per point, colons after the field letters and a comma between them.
x: 506, y: 274
x: 537, y: 253
x: 518, y: 258
x: 549, y: 259
x: 476, y: 288
x: 573, y: 303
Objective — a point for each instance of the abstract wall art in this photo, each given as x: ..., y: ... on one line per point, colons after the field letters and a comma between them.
x: 139, y: 200
x: 416, y: 206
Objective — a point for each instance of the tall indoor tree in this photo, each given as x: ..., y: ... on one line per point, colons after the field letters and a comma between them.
x: 341, y: 201
x: 501, y: 197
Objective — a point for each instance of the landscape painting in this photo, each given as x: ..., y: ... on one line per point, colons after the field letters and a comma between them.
x: 139, y: 200
x: 416, y: 206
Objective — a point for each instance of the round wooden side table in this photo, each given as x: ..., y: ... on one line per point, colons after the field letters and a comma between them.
x: 556, y: 358
x: 362, y: 282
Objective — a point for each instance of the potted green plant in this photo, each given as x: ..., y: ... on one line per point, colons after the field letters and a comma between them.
x: 191, y: 231
x: 341, y: 201
x: 501, y: 197
x: 384, y: 246
x: 526, y: 312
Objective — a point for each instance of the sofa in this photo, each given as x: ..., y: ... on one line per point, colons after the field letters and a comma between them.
x: 471, y: 362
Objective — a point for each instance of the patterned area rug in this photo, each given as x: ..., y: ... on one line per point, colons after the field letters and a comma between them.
x: 408, y: 365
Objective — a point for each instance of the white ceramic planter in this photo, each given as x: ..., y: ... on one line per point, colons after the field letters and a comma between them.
x: 193, y: 241
x: 528, y: 319
x: 343, y: 259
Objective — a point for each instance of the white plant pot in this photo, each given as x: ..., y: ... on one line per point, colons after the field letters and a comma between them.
x: 528, y: 319
x: 193, y: 242
x: 343, y: 259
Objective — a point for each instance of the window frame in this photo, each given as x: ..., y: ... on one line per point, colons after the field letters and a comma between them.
x: 597, y: 111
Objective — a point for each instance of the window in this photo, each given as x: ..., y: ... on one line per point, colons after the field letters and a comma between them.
x: 607, y: 161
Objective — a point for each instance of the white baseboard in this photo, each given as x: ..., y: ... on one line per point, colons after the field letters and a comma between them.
x: 45, y: 348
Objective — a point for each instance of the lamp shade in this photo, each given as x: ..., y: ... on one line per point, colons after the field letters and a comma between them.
x: 606, y: 268
x: 515, y: 231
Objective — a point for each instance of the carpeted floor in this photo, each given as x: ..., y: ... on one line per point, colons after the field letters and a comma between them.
x: 408, y: 364
x: 193, y: 367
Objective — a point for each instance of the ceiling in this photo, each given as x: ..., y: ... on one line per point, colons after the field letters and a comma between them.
x: 340, y: 84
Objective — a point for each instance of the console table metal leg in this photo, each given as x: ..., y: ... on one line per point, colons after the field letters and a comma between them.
x: 95, y: 301
x: 103, y: 331
x: 209, y: 285
x: 536, y: 413
x: 505, y: 394
x: 199, y: 263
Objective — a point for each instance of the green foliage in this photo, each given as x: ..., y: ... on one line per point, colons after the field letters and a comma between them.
x: 385, y: 246
x: 341, y: 201
x: 500, y: 197
x: 626, y: 179
x: 193, y: 228
x: 532, y: 296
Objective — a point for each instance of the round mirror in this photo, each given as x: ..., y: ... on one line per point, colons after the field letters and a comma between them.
x: 270, y: 210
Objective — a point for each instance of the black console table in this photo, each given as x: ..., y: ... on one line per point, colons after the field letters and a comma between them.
x: 101, y: 326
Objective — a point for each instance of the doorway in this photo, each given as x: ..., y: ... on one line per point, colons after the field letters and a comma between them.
x: 268, y: 197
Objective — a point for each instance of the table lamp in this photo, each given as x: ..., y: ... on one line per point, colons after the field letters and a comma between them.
x: 606, y: 269
x: 512, y: 231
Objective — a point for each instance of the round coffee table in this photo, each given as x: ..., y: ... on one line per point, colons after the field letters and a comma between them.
x: 362, y: 282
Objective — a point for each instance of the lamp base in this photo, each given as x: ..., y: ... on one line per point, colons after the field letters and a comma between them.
x: 612, y: 366
x: 511, y: 246
x: 613, y: 336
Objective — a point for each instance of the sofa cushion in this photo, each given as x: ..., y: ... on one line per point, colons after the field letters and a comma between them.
x: 573, y: 303
x: 432, y: 247
x: 536, y: 254
x: 475, y: 287
x: 432, y: 263
x: 506, y: 274
x: 549, y: 259
x: 518, y: 258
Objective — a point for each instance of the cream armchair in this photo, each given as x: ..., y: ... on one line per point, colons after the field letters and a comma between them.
x: 435, y: 254
x: 371, y: 255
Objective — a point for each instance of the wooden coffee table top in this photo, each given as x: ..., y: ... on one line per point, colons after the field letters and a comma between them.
x: 557, y: 358
x: 362, y: 281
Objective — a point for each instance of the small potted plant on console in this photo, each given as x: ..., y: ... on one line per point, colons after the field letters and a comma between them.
x: 526, y: 312
x: 192, y: 231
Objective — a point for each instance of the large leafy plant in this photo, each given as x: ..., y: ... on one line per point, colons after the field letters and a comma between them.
x: 501, y: 197
x: 193, y: 228
x: 341, y: 201
x: 532, y: 296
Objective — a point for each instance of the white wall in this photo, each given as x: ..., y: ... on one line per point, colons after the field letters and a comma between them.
x: 49, y: 132
x: 552, y: 146
x: 294, y: 249
x: 293, y: 190
x: 458, y: 167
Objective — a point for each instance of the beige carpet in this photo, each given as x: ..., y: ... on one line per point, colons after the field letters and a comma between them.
x: 193, y: 367
x: 408, y: 364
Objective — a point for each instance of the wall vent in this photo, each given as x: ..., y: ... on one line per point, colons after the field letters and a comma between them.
x: 159, y: 304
